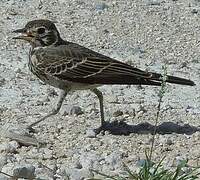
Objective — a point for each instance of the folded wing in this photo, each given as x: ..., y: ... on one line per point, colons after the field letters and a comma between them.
x: 78, y: 64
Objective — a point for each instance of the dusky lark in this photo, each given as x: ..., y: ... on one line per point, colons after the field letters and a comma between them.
x: 69, y: 66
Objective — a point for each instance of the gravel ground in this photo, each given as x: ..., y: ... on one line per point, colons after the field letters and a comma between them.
x: 144, y: 33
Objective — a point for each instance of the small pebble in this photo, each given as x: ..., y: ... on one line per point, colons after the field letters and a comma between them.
x: 153, y: 2
x: 169, y: 142
x: 10, y: 147
x: 2, y: 81
x: 194, y: 11
x: 3, y: 177
x: 101, y: 6
x: 114, y: 160
x: 75, y: 110
x: 90, y: 133
x: 78, y: 174
x: 24, y: 171
x: 8, y: 168
x: 89, y: 160
x: 142, y: 162
x: 3, y: 160
x: 118, y: 113
x: 48, y: 154
x: 51, y: 92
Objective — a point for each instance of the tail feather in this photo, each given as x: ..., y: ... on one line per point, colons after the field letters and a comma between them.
x: 155, y: 80
x: 173, y: 79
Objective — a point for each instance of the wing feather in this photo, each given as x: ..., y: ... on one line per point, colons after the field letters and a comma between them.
x: 78, y: 63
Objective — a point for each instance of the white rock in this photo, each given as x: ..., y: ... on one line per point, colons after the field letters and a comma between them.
x: 90, y: 133
x: 4, y: 177
x: 78, y: 174
x: 9, y: 147
x: 114, y: 160
x: 3, y: 160
x: 8, y: 168
x: 89, y: 160
x: 47, y: 154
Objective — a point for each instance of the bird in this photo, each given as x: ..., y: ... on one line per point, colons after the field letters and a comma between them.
x: 69, y: 66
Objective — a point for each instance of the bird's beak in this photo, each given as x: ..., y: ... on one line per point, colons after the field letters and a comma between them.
x: 27, y: 36
x: 23, y: 30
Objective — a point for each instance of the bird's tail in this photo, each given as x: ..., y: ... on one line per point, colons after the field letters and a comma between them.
x: 172, y: 79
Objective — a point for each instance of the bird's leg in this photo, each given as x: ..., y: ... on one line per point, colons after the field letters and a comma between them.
x: 54, y: 111
x: 100, y: 97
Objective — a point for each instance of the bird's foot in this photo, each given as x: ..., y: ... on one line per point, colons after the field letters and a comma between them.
x: 31, y: 129
x: 102, y: 128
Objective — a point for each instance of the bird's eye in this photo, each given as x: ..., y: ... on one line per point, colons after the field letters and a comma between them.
x: 41, y: 30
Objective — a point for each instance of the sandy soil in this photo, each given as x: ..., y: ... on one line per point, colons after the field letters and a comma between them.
x: 144, y: 33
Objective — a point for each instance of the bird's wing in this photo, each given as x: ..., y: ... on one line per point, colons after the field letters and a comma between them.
x: 79, y: 64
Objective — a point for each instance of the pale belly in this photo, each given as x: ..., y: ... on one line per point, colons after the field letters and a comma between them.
x: 64, y: 84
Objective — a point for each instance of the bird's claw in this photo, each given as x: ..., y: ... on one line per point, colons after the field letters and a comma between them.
x: 102, y: 128
x: 31, y: 129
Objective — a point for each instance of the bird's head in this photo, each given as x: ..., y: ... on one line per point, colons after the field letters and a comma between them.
x: 39, y: 33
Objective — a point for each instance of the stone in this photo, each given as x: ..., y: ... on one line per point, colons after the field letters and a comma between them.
x: 3, y: 160
x: 75, y: 110
x: 8, y: 169
x: 24, y: 171
x: 118, y: 113
x: 4, y: 177
x: 153, y: 2
x: 114, y: 160
x: 78, y: 174
x: 101, y: 6
x: 9, y: 147
x: 89, y: 160
x: 2, y: 81
x: 169, y: 142
x: 90, y: 133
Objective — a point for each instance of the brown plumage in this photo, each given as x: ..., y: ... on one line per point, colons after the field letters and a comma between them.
x: 69, y: 66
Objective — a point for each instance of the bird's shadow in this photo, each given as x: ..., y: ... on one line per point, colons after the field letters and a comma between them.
x: 122, y: 128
